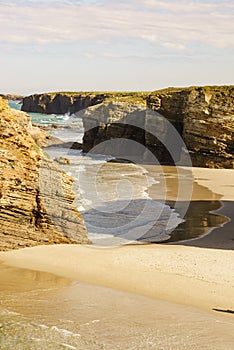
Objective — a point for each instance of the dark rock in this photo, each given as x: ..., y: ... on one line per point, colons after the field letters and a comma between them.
x: 61, y: 160
x: 65, y: 102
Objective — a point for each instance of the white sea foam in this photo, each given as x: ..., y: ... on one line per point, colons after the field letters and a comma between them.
x: 91, y: 322
x: 43, y: 326
x: 98, y: 236
x: 8, y: 312
x: 69, y: 346
x: 37, y: 339
x: 114, y: 199
x: 65, y: 332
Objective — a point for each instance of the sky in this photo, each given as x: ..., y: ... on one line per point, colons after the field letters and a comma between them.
x: 101, y: 45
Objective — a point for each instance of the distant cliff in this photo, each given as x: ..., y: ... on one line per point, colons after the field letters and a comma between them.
x: 12, y: 97
x: 69, y: 102
x: 203, y: 116
x: 32, y: 210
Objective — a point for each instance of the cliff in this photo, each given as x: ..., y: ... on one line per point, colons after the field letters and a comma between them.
x: 203, y: 117
x: 35, y: 195
x: 70, y: 102
x: 12, y: 97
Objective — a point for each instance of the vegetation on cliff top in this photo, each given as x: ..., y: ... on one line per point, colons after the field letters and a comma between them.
x: 139, y: 96
x: 222, y: 89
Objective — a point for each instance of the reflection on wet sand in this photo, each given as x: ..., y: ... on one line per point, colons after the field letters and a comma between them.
x: 199, y: 220
x: 210, y: 215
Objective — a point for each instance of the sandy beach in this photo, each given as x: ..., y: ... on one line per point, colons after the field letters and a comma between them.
x: 184, y: 280
x: 192, y: 276
x: 171, y: 272
x: 40, y: 310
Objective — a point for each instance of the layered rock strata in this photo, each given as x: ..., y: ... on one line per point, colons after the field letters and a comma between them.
x: 35, y: 195
x: 202, y: 116
x: 197, y: 120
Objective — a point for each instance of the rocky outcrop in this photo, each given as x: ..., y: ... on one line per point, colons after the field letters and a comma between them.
x: 202, y: 116
x: 114, y: 120
x: 35, y: 195
x: 62, y: 103
x: 12, y: 97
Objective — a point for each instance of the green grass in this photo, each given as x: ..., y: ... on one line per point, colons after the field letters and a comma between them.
x: 140, y: 96
x: 222, y: 89
x: 120, y: 96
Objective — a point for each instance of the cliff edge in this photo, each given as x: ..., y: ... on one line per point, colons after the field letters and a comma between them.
x: 35, y: 195
x: 72, y: 102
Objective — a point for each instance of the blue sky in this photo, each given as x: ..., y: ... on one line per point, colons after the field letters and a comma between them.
x: 52, y: 45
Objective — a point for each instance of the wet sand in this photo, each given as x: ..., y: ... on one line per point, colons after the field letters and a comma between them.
x: 211, y: 187
x: 220, y: 237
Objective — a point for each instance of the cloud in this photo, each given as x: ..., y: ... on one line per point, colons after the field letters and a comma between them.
x: 171, y: 23
x: 176, y: 46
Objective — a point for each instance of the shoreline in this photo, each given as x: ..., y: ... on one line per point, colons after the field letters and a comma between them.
x: 199, y: 277
x: 189, y: 273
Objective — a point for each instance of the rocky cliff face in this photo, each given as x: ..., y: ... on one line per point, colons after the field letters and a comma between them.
x: 202, y: 116
x: 35, y: 195
x: 114, y: 120
x: 61, y: 103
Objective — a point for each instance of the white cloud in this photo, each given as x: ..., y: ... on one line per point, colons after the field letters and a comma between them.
x: 174, y: 23
x: 176, y: 46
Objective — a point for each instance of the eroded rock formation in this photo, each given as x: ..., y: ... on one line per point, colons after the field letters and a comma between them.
x: 35, y: 195
x: 203, y: 117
